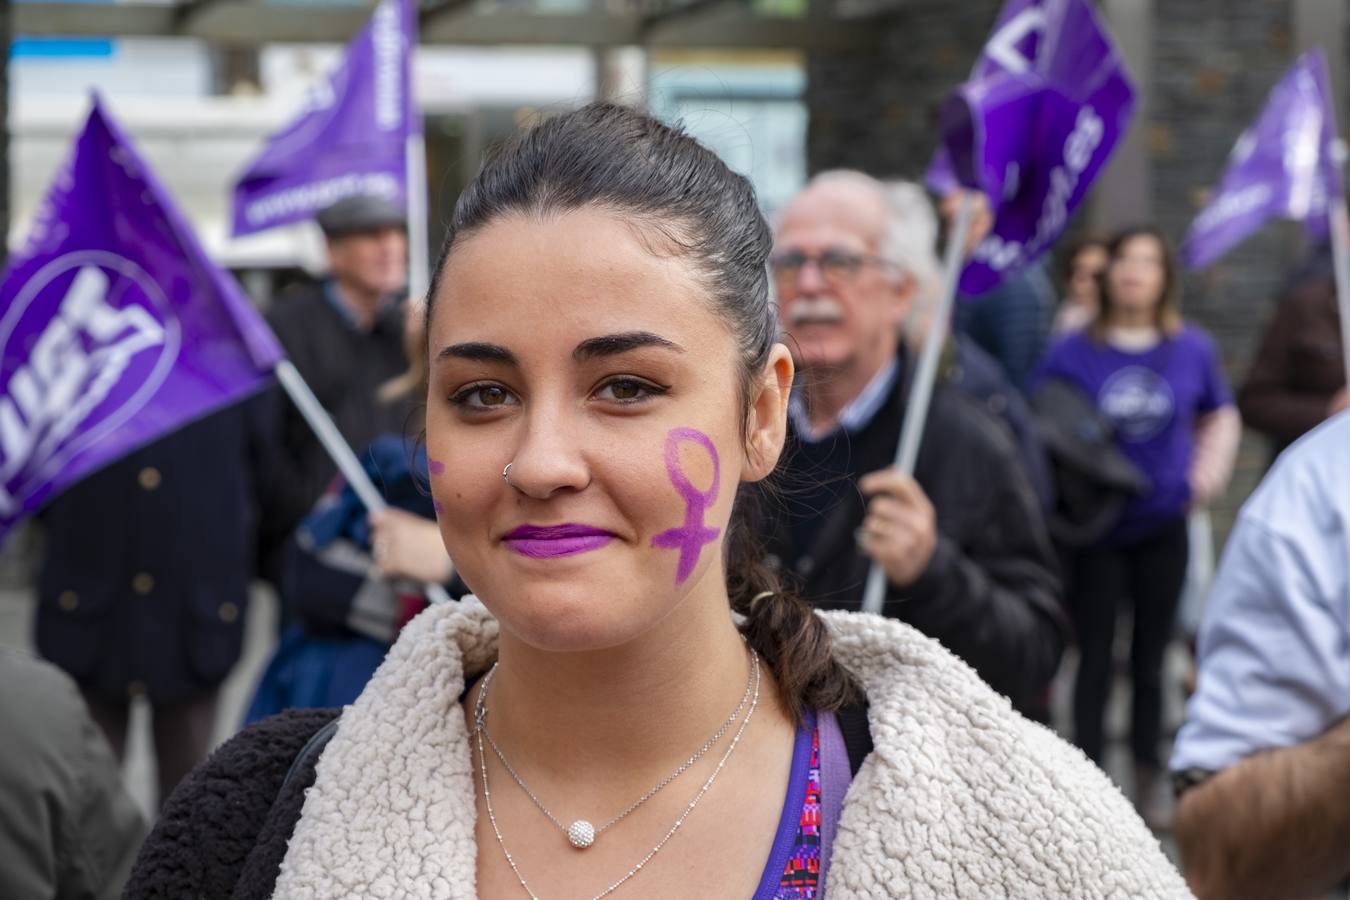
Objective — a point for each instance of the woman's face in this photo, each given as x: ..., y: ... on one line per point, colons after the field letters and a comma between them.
x: 564, y: 346
x: 1136, y: 275
x: 1084, y: 270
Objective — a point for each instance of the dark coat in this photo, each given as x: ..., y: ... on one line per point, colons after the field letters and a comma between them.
x: 145, y: 581
x: 345, y: 367
x: 1299, y: 366
x: 1011, y: 321
x: 991, y: 593
x: 978, y: 375
x: 223, y: 831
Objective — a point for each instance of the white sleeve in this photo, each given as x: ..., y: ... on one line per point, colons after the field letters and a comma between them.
x: 1273, y: 655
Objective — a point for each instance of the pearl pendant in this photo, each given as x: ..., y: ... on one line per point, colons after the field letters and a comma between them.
x: 581, y: 834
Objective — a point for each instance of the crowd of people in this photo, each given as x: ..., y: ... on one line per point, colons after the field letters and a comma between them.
x: 616, y: 341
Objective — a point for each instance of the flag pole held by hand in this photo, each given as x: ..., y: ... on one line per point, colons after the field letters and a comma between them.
x: 925, y: 377
x: 337, y: 448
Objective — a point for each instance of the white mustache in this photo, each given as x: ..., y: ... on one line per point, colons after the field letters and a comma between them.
x: 815, y: 309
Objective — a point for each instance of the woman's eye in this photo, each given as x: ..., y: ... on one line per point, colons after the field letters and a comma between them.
x: 628, y: 390
x: 482, y: 396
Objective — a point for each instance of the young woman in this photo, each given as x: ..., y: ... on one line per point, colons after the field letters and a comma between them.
x: 1082, y: 279
x: 1158, y: 381
x: 630, y: 708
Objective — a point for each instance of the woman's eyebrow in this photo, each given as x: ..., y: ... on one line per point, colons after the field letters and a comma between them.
x: 480, y: 352
x: 613, y: 344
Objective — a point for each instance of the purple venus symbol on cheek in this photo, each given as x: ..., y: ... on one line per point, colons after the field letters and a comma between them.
x: 693, y: 534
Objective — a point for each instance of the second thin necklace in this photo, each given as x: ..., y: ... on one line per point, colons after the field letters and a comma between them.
x: 480, y: 732
x: 582, y: 833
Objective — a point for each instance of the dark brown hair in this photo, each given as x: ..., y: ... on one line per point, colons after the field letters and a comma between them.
x: 683, y: 196
x: 1076, y: 249
x: 1168, y: 319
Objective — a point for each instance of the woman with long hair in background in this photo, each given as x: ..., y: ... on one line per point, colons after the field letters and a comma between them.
x: 1158, y: 381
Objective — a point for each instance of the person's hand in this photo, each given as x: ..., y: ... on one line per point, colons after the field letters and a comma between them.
x: 900, y: 529
x: 408, y: 546
x: 1339, y: 403
x: 981, y: 219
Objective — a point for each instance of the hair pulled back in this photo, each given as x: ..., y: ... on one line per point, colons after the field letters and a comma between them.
x: 679, y: 195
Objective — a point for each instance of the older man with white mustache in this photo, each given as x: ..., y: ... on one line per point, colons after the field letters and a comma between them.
x: 965, y: 550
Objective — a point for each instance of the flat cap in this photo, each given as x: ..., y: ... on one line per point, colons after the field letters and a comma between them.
x: 361, y: 212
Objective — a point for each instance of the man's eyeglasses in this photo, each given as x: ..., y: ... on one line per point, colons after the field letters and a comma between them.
x: 835, y: 265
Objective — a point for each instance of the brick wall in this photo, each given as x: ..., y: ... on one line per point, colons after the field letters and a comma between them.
x: 876, y: 108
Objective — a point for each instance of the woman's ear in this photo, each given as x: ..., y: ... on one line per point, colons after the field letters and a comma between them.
x: 767, y: 430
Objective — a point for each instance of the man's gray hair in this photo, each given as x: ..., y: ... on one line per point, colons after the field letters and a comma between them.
x: 909, y: 238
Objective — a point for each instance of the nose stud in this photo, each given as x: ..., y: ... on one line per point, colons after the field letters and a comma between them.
x: 506, y: 474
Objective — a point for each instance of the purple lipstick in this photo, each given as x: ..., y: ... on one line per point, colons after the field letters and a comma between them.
x: 551, y: 541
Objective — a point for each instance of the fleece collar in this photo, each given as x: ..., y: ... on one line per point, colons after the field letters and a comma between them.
x: 961, y: 797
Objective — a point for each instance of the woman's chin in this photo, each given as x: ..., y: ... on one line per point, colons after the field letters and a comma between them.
x: 571, y: 617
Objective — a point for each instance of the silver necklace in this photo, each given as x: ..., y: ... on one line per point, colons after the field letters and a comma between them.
x: 480, y: 731
x: 582, y: 833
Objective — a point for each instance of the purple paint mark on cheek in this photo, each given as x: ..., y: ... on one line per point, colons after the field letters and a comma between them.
x: 436, y: 505
x: 690, y: 537
x: 435, y: 466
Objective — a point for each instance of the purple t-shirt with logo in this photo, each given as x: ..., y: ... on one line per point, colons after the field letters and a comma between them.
x: 1153, y: 398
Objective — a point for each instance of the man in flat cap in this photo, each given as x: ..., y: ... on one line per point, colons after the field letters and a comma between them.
x: 346, y: 337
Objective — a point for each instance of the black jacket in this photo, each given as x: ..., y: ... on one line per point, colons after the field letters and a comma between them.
x: 345, y: 368
x: 991, y: 593
x: 978, y: 375
x: 222, y: 834
x: 145, y: 580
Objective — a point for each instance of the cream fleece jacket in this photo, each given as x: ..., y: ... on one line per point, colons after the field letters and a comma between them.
x: 961, y: 797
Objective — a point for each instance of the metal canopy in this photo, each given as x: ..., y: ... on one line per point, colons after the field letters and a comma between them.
x: 713, y: 24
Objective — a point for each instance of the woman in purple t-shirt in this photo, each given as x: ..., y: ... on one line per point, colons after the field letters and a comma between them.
x: 1157, y: 379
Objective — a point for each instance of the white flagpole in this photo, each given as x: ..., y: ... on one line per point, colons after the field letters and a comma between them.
x: 1340, y: 255
x: 419, y: 266
x: 925, y: 377
x: 337, y: 448
x: 415, y: 168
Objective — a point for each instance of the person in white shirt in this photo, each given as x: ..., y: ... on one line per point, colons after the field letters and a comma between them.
x: 1262, y: 763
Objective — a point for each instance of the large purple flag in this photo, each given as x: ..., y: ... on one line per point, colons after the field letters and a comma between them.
x: 1044, y: 108
x: 1283, y: 165
x: 349, y: 139
x: 115, y: 327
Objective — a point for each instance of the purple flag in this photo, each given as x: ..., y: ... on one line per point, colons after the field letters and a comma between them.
x: 1045, y: 106
x: 115, y: 327
x: 1283, y: 165
x: 349, y: 139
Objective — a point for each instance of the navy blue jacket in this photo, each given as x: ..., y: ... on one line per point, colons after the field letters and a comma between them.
x: 145, y: 580
x: 976, y: 374
x: 1011, y: 322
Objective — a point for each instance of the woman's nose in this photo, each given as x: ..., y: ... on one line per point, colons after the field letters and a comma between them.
x: 548, y: 458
